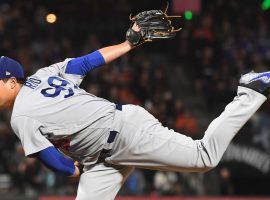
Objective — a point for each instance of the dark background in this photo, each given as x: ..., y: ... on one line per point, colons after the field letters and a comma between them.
x: 185, y: 82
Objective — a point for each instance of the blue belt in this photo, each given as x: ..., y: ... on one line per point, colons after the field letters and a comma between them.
x: 118, y: 107
x: 113, y: 134
x: 107, y: 152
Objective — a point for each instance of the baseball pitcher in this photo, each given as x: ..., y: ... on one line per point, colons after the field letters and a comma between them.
x: 50, y: 112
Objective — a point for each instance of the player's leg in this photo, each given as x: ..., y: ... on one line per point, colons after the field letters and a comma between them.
x: 102, y: 182
x: 145, y: 143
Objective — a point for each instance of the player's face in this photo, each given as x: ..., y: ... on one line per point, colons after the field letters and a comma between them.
x: 6, y: 91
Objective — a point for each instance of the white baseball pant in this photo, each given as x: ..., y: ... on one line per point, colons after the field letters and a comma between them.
x: 143, y: 142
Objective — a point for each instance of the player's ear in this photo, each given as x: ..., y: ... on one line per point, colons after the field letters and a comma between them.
x: 12, y: 82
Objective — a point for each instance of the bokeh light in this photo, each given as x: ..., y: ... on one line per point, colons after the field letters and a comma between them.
x: 188, y: 15
x: 265, y: 5
x: 51, y: 18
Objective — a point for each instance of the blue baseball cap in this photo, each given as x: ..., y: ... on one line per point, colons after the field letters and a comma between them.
x: 10, y: 68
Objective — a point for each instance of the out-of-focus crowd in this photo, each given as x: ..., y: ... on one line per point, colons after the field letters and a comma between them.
x: 225, y: 40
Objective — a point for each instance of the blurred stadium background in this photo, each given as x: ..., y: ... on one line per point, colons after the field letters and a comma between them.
x: 184, y: 82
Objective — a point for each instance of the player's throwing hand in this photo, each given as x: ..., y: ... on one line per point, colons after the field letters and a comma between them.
x: 77, y: 171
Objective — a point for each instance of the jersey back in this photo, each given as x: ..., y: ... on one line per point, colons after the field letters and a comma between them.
x: 51, y: 105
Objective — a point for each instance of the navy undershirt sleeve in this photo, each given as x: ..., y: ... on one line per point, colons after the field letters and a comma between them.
x: 82, y: 65
x: 55, y: 161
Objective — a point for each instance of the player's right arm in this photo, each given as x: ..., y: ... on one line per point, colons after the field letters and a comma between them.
x: 102, y: 56
x: 83, y: 65
x: 76, y: 69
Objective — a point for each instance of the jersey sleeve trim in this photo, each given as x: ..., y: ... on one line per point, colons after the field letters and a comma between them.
x: 27, y: 130
x: 30, y: 154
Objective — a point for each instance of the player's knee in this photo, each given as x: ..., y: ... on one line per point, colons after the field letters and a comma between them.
x: 207, y: 159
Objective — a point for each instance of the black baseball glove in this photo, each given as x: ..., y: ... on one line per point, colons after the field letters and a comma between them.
x: 153, y: 24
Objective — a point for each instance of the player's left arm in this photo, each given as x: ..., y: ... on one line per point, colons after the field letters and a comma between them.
x: 56, y: 162
x: 82, y: 65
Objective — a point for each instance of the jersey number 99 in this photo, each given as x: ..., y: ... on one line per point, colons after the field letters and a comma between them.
x: 58, y: 85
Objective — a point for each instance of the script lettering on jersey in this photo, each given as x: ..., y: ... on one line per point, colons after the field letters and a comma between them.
x: 32, y: 83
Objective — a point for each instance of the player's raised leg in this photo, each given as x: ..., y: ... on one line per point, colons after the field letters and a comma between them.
x: 102, y: 182
x: 156, y: 147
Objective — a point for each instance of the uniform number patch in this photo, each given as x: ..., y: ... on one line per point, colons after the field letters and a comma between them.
x: 58, y: 85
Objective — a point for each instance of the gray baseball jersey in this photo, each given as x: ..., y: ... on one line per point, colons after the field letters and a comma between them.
x: 51, y: 109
